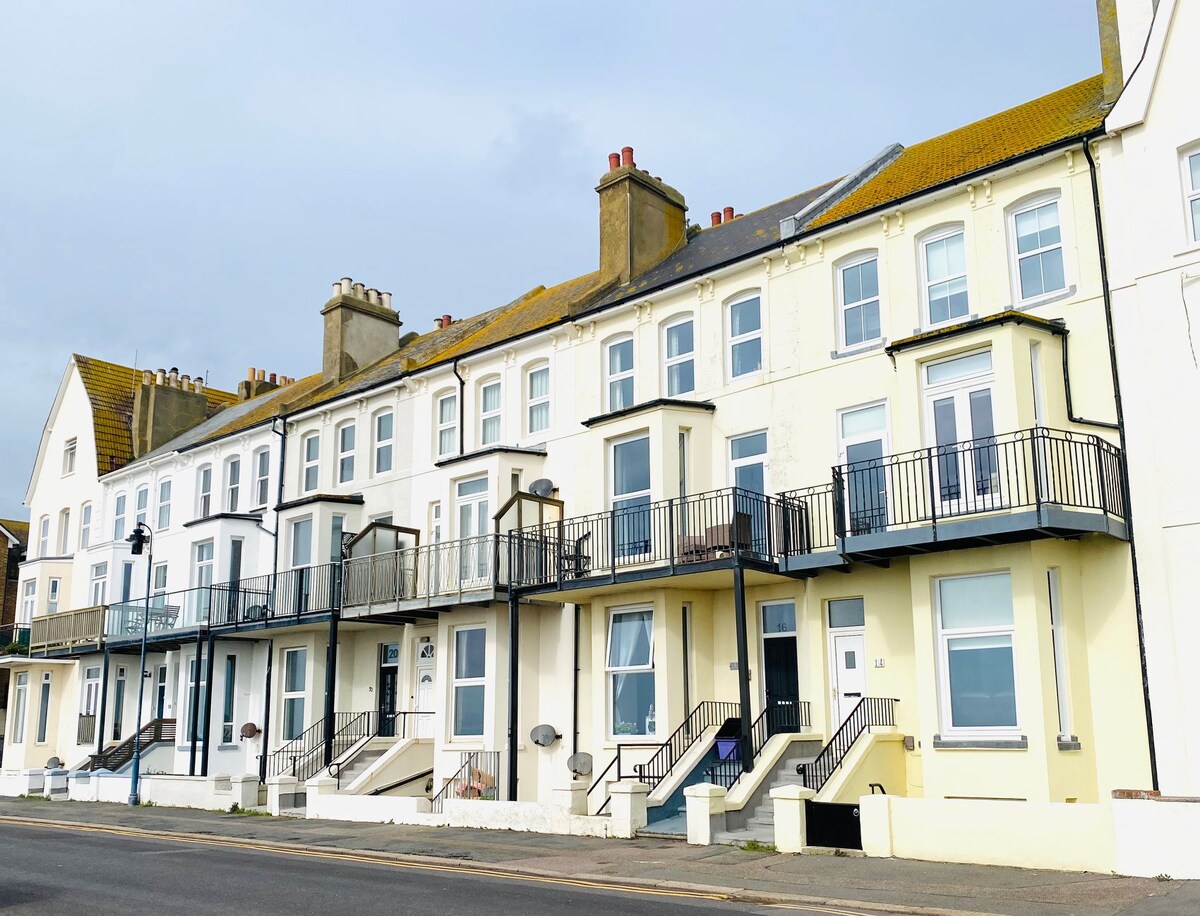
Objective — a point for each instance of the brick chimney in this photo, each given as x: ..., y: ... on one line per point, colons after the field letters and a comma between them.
x: 360, y: 328
x: 642, y: 220
x: 165, y: 405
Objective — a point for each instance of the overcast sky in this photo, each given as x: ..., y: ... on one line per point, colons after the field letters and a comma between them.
x: 184, y: 180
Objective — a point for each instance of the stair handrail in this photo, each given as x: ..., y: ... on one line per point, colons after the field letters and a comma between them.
x: 153, y: 732
x: 706, y: 714
x: 869, y: 712
x: 727, y: 772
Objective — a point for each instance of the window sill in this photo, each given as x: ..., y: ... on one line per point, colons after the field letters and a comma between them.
x: 980, y: 744
x: 1070, y: 743
x: 857, y: 351
x: 1046, y: 300
x: 227, y: 747
x: 933, y: 328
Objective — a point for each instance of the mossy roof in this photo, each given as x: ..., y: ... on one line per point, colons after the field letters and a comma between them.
x: 110, y: 389
x: 1070, y: 113
x: 18, y: 529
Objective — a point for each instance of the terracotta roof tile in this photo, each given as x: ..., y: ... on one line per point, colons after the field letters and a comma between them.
x: 1060, y: 116
x: 110, y: 390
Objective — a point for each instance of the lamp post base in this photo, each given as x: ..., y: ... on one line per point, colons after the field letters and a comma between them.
x: 133, y: 801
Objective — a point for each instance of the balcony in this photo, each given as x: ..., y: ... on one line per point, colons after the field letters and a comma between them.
x: 82, y: 628
x: 432, y: 576
x: 698, y: 536
x: 243, y: 604
x: 14, y: 639
x: 1016, y: 486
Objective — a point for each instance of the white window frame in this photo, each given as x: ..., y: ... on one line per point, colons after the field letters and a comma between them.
x: 70, y: 452
x: 229, y: 702
x: 262, y: 477
x: 44, y: 536
x: 346, y: 451
x: 1024, y: 206
x: 20, y: 704
x: 64, y: 531
x: 494, y: 416
x: 120, y: 508
x: 940, y: 234
x: 45, y: 697
x: 196, y: 672
x: 457, y: 683
x: 28, y: 601
x: 233, y: 483
x: 1058, y: 645
x: 856, y: 260
x: 611, y: 670
x: 617, y: 378
x: 445, y: 430
x: 53, y: 594
x: 141, y: 507
x: 670, y: 362
x: 943, y: 636
x: 297, y: 695
x: 1191, y: 194
x: 204, y: 491
x: 310, y: 465
x: 98, y: 584
x: 384, y: 445
x: 532, y: 402
x: 85, y: 526
x: 748, y: 337
x: 648, y: 492
x: 163, y: 516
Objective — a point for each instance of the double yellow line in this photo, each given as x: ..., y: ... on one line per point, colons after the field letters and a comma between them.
x: 138, y: 833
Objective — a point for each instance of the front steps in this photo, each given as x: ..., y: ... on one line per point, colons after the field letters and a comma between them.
x: 361, y: 762
x: 759, y: 823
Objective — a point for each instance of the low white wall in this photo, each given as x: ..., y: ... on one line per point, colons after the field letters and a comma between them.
x: 1067, y: 837
x: 23, y: 782
x: 208, y: 792
x: 1157, y: 836
x: 326, y: 803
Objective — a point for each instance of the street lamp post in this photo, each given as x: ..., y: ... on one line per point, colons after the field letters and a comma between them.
x: 140, y: 539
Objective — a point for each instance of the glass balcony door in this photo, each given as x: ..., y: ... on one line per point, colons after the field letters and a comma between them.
x: 631, y: 497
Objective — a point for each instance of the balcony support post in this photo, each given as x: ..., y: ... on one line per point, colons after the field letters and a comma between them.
x: 208, y: 696
x: 194, y: 703
x: 330, y: 685
x: 514, y: 610
x: 743, y: 661
x: 100, y: 719
x: 266, y: 726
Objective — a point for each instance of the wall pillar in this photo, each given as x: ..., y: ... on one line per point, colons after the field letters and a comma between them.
x: 572, y: 796
x: 628, y: 808
x: 705, y: 812
x: 791, y: 828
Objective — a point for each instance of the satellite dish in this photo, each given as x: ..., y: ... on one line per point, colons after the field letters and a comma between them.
x: 250, y: 730
x: 544, y: 735
x: 580, y: 764
x: 543, y: 486
x: 53, y: 764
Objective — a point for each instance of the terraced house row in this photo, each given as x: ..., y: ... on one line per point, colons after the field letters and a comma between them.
x: 816, y: 525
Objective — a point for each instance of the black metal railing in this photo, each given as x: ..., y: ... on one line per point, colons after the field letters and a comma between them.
x: 373, y: 724
x: 85, y: 732
x: 778, y: 717
x: 619, y: 764
x: 156, y: 731
x: 1029, y: 468
x: 815, y: 506
x: 670, y: 533
x: 304, y: 756
x: 707, y: 714
x: 869, y: 713
x: 446, y: 569
x: 14, y: 639
x: 477, y: 779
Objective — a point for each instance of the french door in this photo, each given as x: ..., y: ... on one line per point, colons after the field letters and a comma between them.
x: 473, y: 524
x: 961, y: 425
x: 862, y: 437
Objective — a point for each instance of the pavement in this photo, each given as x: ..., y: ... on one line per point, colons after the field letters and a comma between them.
x: 700, y: 874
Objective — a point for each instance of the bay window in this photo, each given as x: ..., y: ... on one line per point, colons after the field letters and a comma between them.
x: 119, y: 517
x: 85, y: 526
x: 631, y: 496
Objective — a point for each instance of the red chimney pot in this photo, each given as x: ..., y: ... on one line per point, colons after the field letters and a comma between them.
x: 272, y: 378
x: 614, y: 161
x: 626, y: 155
x: 716, y: 217
x: 728, y: 214
x: 445, y: 321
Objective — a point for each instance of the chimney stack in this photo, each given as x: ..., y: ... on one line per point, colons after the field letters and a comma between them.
x: 360, y: 328
x: 166, y: 405
x: 1124, y: 26
x: 642, y: 220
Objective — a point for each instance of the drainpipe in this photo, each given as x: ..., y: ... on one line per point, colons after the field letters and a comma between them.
x: 195, y: 708
x: 101, y: 723
x: 462, y: 406
x: 513, y: 648
x: 1116, y: 383
x: 207, y: 717
x: 1083, y: 421
x: 575, y: 684
x: 266, y: 727
x: 743, y: 658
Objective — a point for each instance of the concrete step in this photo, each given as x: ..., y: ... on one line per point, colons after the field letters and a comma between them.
x: 738, y: 837
x: 767, y: 823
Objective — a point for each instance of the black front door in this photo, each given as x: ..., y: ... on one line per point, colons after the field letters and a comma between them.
x: 387, y: 701
x: 782, y: 683
x: 160, y: 692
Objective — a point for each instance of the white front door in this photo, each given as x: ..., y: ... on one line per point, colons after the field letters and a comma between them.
x: 423, y: 702
x: 849, y: 672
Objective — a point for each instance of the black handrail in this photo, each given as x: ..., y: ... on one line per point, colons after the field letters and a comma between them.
x: 777, y: 717
x: 706, y: 714
x: 870, y: 712
x: 477, y: 778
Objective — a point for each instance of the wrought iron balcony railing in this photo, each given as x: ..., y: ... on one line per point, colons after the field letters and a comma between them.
x: 448, y: 569
x: 670, y: 533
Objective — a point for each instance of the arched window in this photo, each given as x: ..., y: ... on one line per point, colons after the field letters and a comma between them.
x: 311, y: 451
x: 489, y: 411
x: 384, y: 432
x: 679, y: 356
x: 944, y: 275
x: 346, y: 435
x: 233, y: 483
x: 537, y: 398
x: 618, y: 372
x: 204, y: 491
x: 744, y: 330
x: 858, y: 300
